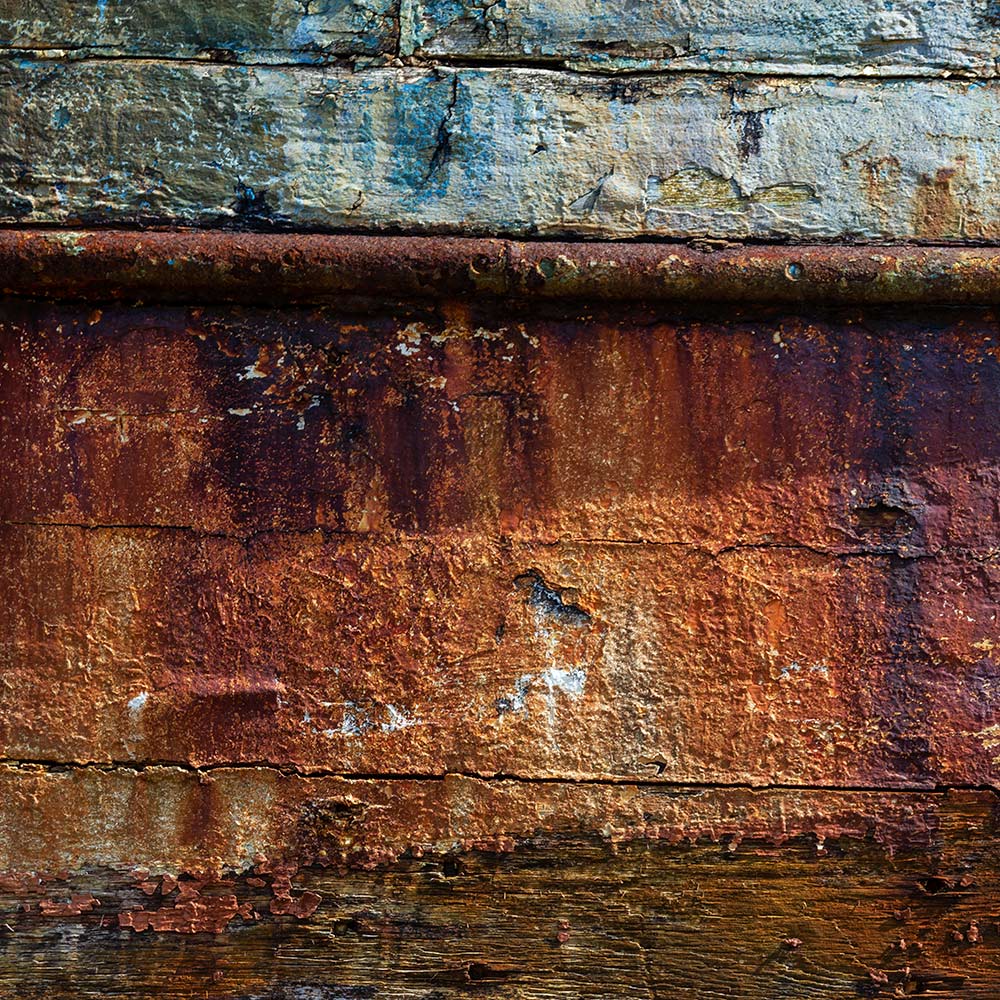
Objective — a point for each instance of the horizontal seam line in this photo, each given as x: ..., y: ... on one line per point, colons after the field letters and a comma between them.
x: 139, y: 767
x: 915, y: 552
x: 574, y: 65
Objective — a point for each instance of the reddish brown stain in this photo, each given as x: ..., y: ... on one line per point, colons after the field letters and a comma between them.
x: 938, y: 212
x: 192, y: 915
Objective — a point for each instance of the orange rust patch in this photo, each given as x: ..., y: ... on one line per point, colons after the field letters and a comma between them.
x: 939, y: 212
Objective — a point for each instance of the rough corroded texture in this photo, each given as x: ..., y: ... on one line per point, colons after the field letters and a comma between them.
x: 512, y: 151
x: 752, y: 547
x: 800, y: 36
x: 207, y: 822
x: 213, y: 267
x: 256, y: 31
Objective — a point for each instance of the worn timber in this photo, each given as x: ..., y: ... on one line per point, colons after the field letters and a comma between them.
x: 498, y: 151
x: 801, y: 37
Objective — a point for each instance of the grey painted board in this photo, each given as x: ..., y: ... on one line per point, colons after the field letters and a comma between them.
x: 790, y: 36
x: 828, y: 37
x: 226, y: 30
x: 513, y: 151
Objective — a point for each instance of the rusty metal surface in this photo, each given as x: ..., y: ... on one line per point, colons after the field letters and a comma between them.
x: 371, y: 607
x: 754, y: 547
x: 271, y: 268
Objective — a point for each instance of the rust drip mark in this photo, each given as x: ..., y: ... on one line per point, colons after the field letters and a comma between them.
x: 548, y: 601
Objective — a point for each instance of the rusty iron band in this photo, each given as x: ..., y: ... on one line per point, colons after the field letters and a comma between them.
x: 258, y: 268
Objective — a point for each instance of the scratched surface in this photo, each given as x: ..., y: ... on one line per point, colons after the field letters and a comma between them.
x: 492, y: 151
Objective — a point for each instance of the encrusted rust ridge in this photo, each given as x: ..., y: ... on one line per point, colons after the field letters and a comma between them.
x: 274, y: 268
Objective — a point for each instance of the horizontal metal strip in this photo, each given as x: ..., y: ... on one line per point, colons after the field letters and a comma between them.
x: 269, y: 268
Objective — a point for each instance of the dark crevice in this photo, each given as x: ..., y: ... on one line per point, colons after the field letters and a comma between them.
x: 564, y: 63
x: 539, y: 594
x: 441, y: 156
x: 706, y: 243
x: 138, y: 767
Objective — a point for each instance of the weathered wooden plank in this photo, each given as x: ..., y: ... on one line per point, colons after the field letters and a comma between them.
x: 560, y: 915
x: 842, y: 37
x: 257, y: 31
x: 803, y: 37
x: 500, y: 151
x: 427, y: 654
x: 846, y: 431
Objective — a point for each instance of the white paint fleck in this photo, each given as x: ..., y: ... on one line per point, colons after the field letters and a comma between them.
x: 240, y: 411
x: 355, y: 721
x: 398, y: 719
x: 570, y: 682
x: 251, y: 371
x: 138, y: 703
x: 555, y: 681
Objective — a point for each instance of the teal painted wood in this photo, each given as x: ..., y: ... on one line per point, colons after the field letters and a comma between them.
x: 499, y: 151
x: 842, y: 37
x: 846, y: 37
x: 226, y: 30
